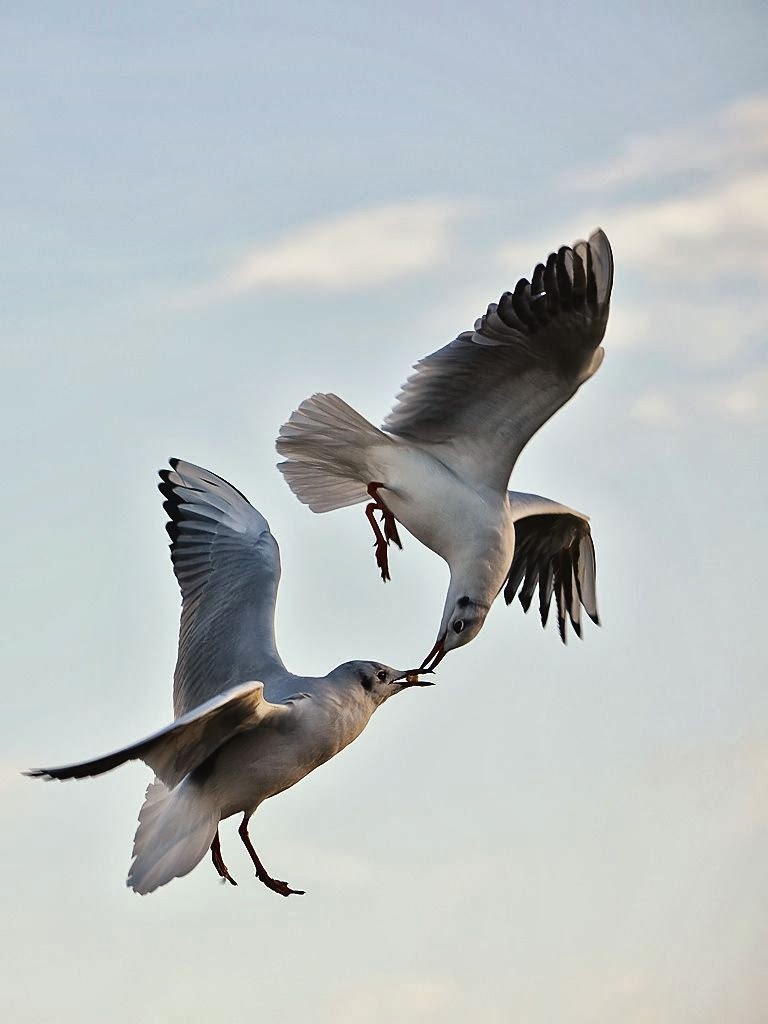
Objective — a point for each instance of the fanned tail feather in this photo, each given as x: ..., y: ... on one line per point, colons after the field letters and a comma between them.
x: 176, y: 829
x: 317, y: 485
x: 325, y: 443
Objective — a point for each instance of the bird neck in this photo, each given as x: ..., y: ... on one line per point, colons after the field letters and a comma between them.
x: 339, y: 714
x: 476, y: 579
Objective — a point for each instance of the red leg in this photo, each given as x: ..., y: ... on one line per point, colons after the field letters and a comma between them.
x: 390, y: 527
x: 389, y: 521
x: 381, y: 544
x: 218, y: 860
x: 261, y: 872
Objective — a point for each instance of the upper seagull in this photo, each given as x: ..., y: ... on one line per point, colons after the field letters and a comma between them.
x: 246, y: 728
x: 441, y: 463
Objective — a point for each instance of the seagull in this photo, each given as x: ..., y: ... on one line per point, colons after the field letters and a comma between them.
x: 246, y: 728
x: 441, y: 463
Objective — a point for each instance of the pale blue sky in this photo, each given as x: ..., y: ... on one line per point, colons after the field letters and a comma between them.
x: 210, y: 211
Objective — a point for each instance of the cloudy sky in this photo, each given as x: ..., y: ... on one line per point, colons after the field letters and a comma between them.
x: 210, y: 211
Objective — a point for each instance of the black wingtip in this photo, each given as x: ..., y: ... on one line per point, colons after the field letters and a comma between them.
x: 47, y: 774
x: 171, y: 503
x: 521, y: 302
x: 169, y: 488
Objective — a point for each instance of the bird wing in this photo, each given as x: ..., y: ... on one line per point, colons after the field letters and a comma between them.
x: 227, y: 564
x: 180, y: 747
x: 554, y: 552
x: 477, y: 402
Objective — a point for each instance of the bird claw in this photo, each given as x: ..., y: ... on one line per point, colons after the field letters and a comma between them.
x: 390, y: 528
x: 218, y: 862
x: 390, y: 533
x: 381, y: 560
x: 280, y: 887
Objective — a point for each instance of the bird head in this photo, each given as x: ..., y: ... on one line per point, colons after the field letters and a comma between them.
x: 463, y: 618
x: 377, y: 682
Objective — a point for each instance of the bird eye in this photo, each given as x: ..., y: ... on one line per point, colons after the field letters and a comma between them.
x: 458, y: 625
x: 381, y: 675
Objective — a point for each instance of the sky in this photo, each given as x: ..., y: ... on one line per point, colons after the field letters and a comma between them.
x: 211, y: 211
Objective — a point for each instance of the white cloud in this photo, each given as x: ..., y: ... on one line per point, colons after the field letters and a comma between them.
x: 657, y: 409
x: 741, y: 401
x: 684, y: 269
x: 736, y: 137
x: 718, y: 230
x: 697, y: 270
x: 691, y: 276
x: 712, y: 331
x: 691, y: 263
x: 744, y: 400
x: 365, y: 248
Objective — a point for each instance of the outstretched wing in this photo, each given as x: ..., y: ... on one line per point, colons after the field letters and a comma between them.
x: 480, y: 399
x: 228, y: 567
x: 175, y: 751
x: 554, y: 552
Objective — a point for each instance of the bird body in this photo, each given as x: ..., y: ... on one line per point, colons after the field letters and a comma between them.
x: 246, y: 728
x: 459, y: 522
x: 440, y: 464
x: 253, y: 766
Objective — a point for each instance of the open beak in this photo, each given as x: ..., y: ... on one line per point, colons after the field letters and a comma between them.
x: 411, y: 678
x: 435, y: 656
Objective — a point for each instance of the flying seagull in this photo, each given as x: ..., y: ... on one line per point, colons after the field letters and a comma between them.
x: 441, y: 462
x: 246, y: 728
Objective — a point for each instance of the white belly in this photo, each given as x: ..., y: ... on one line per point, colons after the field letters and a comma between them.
x: 260, y: 763
x: 440, y: 510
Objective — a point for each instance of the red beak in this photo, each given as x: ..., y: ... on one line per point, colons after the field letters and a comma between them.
x: 437, y: 653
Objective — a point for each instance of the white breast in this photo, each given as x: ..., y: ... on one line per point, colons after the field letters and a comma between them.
x: 441, y: 511
x: 259, y: 764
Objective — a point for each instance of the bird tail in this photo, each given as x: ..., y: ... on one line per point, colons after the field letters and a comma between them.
x: 176, y: 829
x: 327, y: 449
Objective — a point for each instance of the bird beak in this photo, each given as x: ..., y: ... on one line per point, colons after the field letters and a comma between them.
x: 411, y: 678
x: 435, y: 656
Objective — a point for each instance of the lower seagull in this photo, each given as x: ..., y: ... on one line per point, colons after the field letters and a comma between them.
x: 246, y: 728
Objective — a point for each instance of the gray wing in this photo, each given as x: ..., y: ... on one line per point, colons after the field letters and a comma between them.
x: 555, y: 553
x: 228, y: 567
x: 481, y: 398
x: 175, y: 751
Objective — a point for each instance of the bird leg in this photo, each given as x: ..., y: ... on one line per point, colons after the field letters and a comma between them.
x: 390, y: 528
x: 218, y: 860
x: 387, y: 518
x: 261, y: 872
x: 381, y: 544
